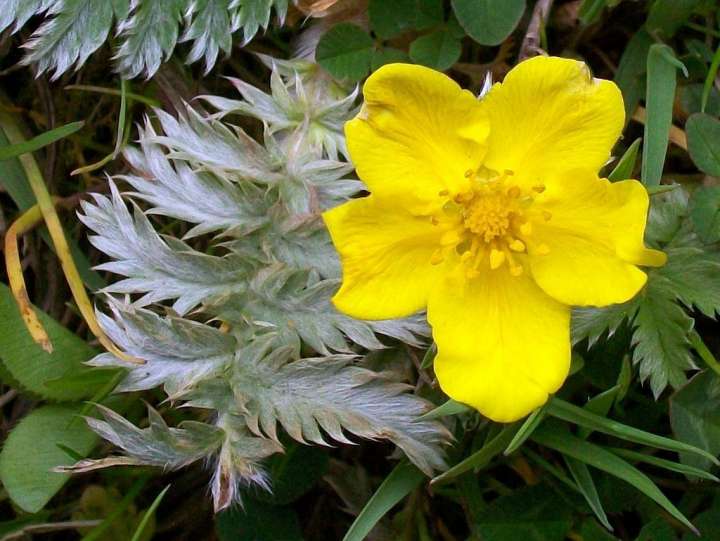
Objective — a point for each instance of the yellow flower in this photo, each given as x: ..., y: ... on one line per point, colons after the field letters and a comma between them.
x: 490, y: 214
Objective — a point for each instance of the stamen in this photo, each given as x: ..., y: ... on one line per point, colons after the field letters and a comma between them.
x: 437, y: 257
x: 547, y: 216
x: 514, y: 192
x: 516, y: 245
x: 542, y: 249
x: 540, y: 188
x: 526, y: 228
x: 443, y: 193
x: 497, y: 258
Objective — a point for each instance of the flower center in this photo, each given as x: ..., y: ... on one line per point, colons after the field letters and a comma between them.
x: 495, y: 224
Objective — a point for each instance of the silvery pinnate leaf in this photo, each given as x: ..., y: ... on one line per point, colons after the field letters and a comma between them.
x: 312, y: 398
x: 173, y: 188
x: 157, y: 445
x: 177, y: 352
x: 159, y: 269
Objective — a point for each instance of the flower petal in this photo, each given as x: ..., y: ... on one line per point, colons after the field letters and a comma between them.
x: 503, y: 344
x: 549, y: 114
x: 385, y: 253
x: 595, y: 240
x: 417, y: 134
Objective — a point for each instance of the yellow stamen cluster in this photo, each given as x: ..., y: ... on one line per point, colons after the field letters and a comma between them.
x: 494, y: 219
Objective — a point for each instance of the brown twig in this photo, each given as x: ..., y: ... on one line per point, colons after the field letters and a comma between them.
x: 531, y: 44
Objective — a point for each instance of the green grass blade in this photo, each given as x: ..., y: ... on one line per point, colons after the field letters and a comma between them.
x: 448, y: 408
x: 429, y: 357
x: 663, y: 463
x: 710, y: 79
x: 42, y: 140
x: 401, y: 481
x: 526, y: 430
x: 585, y: 483
x: 606, y: 461
x: 572, y: 414
x: 659, y: 99
x: 149, y: 513
x: 482, y: 457
x: 626, y: 165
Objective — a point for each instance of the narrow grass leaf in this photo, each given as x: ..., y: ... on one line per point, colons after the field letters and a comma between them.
x: 572, y: 414
x: 660, y: 96
x: 678, y: 467
x: 626, y: 165
x: 128, y: 499
x: 42, y: 140
x: 585, y: 483
x: 482, y: 457
x: 148, y: 514
x: 448, y: 408
x: 606, y: 461
x: 401, y: 481
x: 526, y: 430
x: 710, y: 79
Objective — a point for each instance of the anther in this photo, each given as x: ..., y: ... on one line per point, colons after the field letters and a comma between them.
x: 540, y: 188
x: 546, y: 215
x: 443, y: 193
x: 526, y: 228
x: 437, y: 257
x: 542, y: 249
x: 468, y: 173
x: 516, y: 270
x: 516, y: 245
x: 434, y: 220
x: 514, y: 192
x: 497, y: 258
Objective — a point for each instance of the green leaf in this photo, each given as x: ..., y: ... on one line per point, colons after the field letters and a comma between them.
x: 40, y: 372
x: 593, y: 323
x: 42, y: 140
x: 438, y: 50
x: 604, y: 460
x: 663, y: 463
x: 590, y: 10
x: 489, y: 22
x: 691, y: 100
x: 346, y: 52
x: 572, y: 414
x: 660, y: 336
x: 137, y: 536
x: 703, y: 137
x: 257, y: 521
x: 533, y: 513
x: 581, y: 475
x: 626, y: 165
x: 448, y: 408
x: 401, y: 481
x: 526, y: 430
x: 31, y: 452
x: 481, y: 458
x: 389, y: 19
x: 428, y: 13
x: 660, y: 96
x: 630, y: 75
x: 387, y: 55
x: 667, y: 16
x: 695, y: 417
x: 705, y: 212
x: 691, y: 276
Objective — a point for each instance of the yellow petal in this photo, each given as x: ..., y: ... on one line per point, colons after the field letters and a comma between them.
x: 594, y: 240
x: 503, y: 344
x: 417, y: 134
x: 388, y: 256
x: 549, y: 114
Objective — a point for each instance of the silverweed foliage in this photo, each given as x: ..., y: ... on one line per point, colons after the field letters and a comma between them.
x: 243, y: 330
x: 147, y: 30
